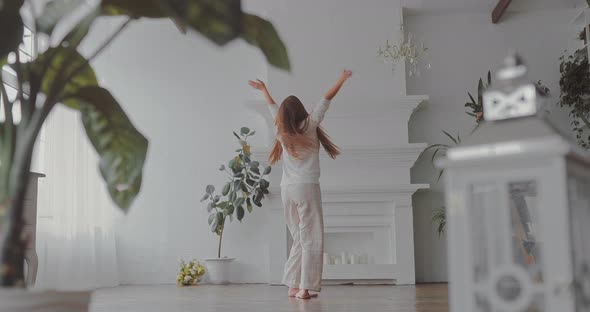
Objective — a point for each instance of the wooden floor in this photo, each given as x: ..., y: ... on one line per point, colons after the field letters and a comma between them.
x: 262, y: 298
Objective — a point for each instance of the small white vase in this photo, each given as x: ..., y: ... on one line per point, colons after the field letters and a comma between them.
x: 219, y: 270
x: 21, y: 300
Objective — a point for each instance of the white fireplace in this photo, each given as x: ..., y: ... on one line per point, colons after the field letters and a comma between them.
x: 366, y: 193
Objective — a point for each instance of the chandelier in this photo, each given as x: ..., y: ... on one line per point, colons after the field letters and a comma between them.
x: 405, y: 49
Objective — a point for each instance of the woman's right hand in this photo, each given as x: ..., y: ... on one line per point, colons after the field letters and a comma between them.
x: 258, y: 84
x: 345, y: 75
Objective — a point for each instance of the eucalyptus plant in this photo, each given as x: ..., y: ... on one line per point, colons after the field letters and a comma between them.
x: 245, y: 186
x: 63, y: 76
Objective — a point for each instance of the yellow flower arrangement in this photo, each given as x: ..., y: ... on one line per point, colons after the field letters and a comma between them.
x: 189, y: 273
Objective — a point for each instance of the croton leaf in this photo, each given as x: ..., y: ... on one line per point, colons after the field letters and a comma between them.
x: 262, y: 34
x: 218, y: 20
x: 70, y: 60
x: 12, y: 27
x: 121, y: 147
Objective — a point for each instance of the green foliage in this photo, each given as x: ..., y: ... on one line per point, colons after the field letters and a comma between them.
x: 245, y: 185
x: 575, y: 94
x: 439, y: 218
x: 62, y: 76
x: 220, y: 21
x: 121, y: 147
x: 441, y: 149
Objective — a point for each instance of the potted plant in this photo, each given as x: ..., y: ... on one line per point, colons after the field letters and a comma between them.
x: 62, y: 76
x: 245, y: 187
x: 439, y: 216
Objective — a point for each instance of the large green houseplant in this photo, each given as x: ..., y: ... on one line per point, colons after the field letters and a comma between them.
x: 245, y: 186
x: 62, y: 76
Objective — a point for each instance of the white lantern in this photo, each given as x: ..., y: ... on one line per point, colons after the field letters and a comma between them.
x: 518, y: 200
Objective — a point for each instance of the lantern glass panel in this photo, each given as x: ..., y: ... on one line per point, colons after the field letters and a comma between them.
x: 580, y: 218
x: 506, y: 246
x: 524, y: 220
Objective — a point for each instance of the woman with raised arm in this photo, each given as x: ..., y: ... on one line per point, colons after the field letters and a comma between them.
x: 298, y: 141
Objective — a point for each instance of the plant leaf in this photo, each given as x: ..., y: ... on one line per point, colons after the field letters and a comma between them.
x: 480, y: 91
x: 226, y: 189
x: 267, y: 170
x: 434, y: 154
x: 450, y: 137
x: 53, y: 12
x: 205, y: 197
x: 440, y: 175
x: 121, y: 147
x: 12, y: 28
x: 71, y: 59
x: 471, y: 98
x: 212, y: 217
x: 239, y: 201
x: 214, y: 223
x: 229, y: 210
x: 244, y: 131
x: 249, y: 205
x: 218, y: 20
x: 210, y: 206
x: 237, y: 136
x: 241, y: 213
x: 223, y: 205
x: 262, y: 34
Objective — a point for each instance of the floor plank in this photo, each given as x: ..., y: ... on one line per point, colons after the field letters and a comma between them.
x: 262, y: 298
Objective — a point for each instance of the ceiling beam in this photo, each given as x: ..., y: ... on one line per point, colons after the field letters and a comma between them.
x: 499, y: 10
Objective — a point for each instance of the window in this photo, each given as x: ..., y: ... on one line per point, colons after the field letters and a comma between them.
x: 26, y: 53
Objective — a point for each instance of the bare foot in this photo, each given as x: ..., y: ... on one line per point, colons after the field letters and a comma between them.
x: 304, y: 294
x: 293, y: 292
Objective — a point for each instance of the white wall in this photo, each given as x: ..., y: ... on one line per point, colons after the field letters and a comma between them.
x: 187, y: 95
x: 463, y: 47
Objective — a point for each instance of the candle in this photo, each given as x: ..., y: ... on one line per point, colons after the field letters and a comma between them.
x: 343, y: 258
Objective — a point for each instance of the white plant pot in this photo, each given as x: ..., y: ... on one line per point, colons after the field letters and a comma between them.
x: 219, y: 270
x: 20, y: 300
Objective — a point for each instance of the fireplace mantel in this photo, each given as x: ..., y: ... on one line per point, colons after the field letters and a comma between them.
x: 366, y: 191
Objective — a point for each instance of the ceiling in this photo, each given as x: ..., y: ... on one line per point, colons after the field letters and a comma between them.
x: 464, y: 6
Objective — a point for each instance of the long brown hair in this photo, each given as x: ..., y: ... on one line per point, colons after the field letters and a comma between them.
x: 292, y: 122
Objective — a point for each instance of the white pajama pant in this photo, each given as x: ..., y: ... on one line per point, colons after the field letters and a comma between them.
x: 304, y: 218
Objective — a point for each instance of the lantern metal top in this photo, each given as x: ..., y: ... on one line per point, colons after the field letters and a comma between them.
x: 513, y: 125
x: 514, y: 95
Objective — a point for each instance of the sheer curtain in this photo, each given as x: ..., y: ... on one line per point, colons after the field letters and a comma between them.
x: 75, y: 231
